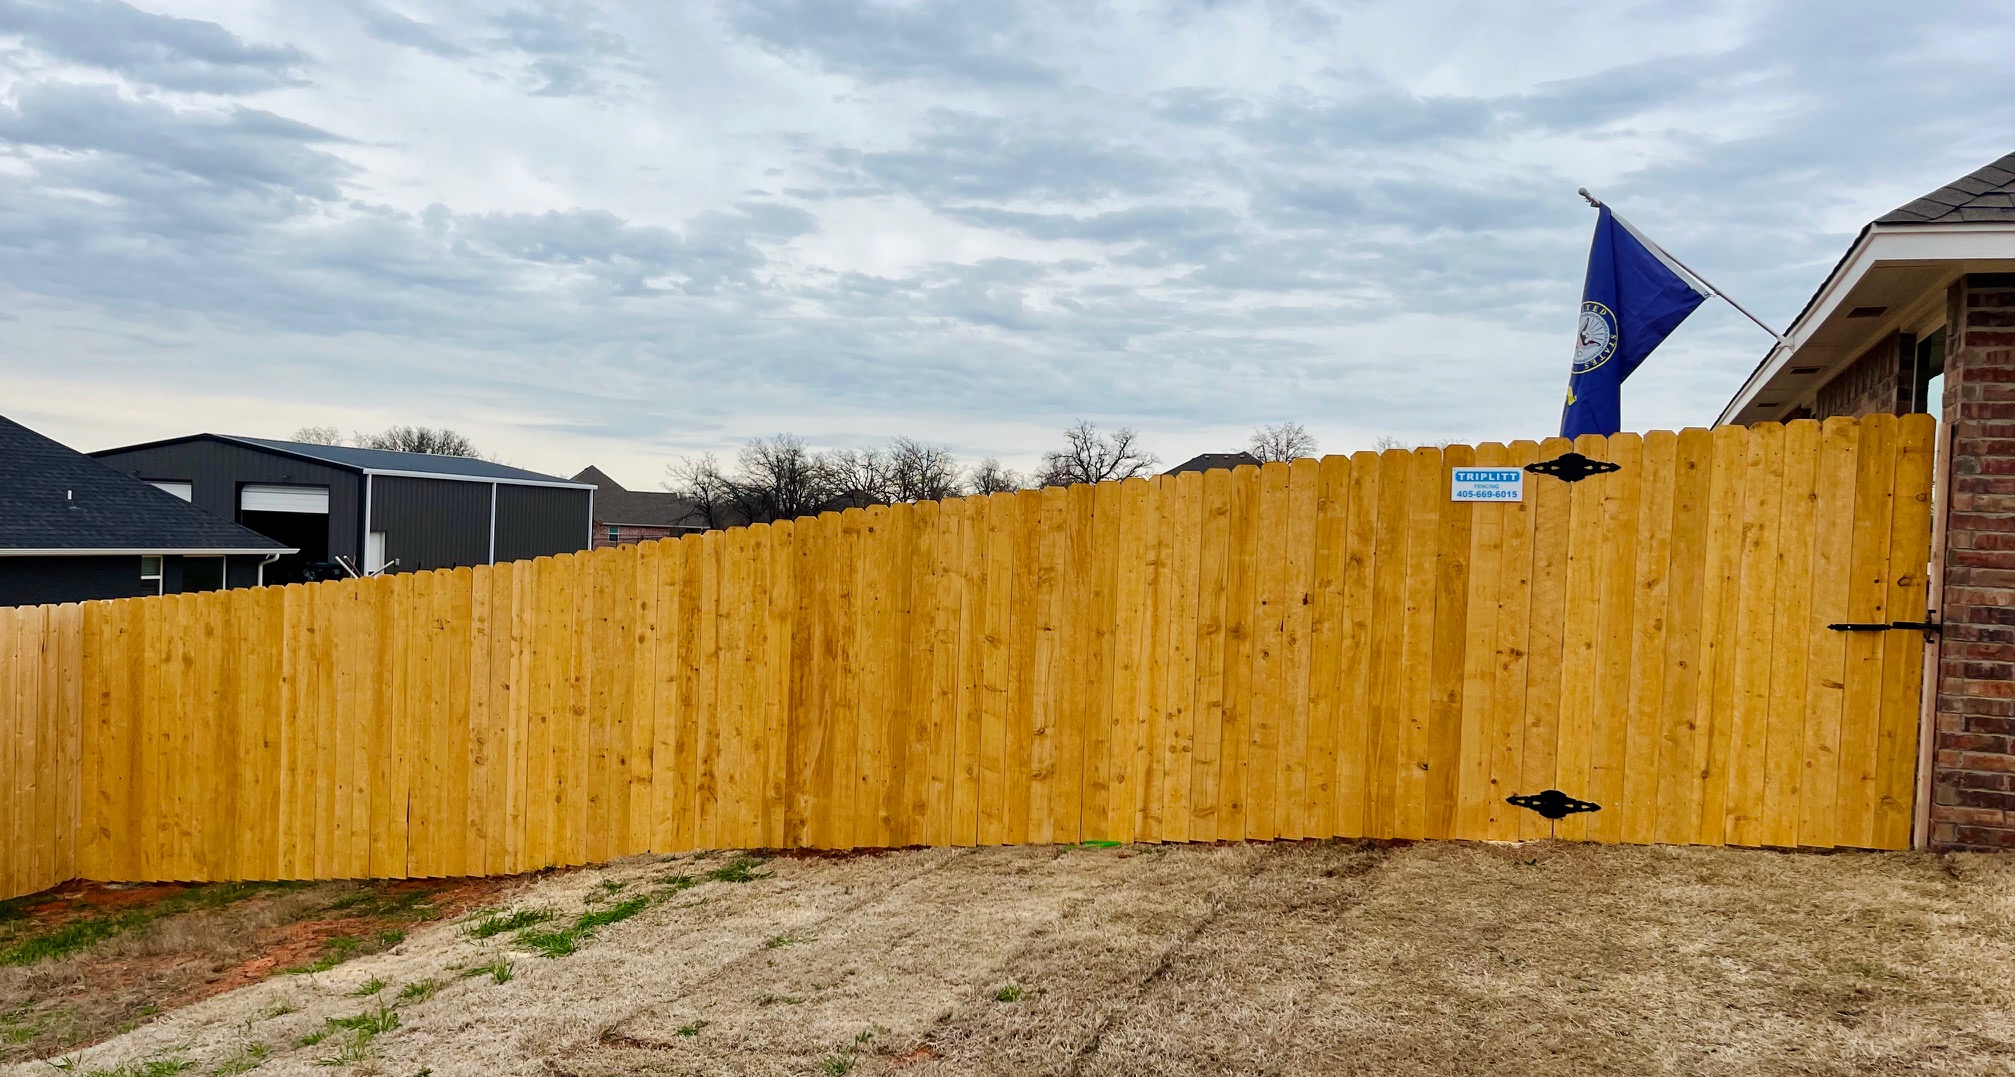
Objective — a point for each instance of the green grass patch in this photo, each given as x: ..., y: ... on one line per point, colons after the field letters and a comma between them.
x: 1011, y: 992
x: 375, y: 1022
x: 419, y: 990
x: 153, y: 1067
x: 26, y: 946
x: 369, y: 987
x: 354, y: 1048
x: 498, y: 970
x: 245, y: 1061
x: 568, y: 939
x: 336, y: 949
x: 387, y: 905
x: 312, y: 1038
x: 742, y: 869
x: 495, y: 922
x: 689, y: 1031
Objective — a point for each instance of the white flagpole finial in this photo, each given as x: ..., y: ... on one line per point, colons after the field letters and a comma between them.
x: 1592, y: 200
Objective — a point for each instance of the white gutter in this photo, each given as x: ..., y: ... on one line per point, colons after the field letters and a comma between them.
x: 262, y: 568
x: 557, y: 483
x: 493, y: 523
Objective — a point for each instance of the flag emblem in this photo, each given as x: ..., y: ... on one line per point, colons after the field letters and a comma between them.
x: 1595, y: 341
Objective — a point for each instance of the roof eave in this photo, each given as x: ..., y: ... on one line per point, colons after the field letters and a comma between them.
x: 1847, y: 272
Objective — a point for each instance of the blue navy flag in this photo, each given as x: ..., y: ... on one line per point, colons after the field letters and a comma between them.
x: 1633, y: 298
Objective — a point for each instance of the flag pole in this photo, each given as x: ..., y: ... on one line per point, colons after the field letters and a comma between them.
x: 1690, y: 271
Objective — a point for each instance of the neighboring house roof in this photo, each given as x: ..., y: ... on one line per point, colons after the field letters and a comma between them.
x: 378, y: 461
x: 636, y: 508
x: 1985, y: 194
x: 1967, y: 225
x: 56, y: 500
x: 1212, y: 461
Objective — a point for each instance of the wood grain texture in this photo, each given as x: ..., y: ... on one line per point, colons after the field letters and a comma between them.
x: 1326, y: 648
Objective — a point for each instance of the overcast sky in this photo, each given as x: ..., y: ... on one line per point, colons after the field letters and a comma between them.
x: 616, y: 233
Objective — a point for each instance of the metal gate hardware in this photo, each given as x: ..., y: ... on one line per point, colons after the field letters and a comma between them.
x: 1573, y: 467
x: 1553, y: 804
x: 1931, y: 629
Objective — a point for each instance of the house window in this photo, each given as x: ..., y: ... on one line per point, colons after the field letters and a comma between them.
x: 615, y: 534
x: 150, y: 569
x: 183, y: 490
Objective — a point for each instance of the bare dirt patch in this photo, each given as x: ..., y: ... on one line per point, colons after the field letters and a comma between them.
x: 87, y: 961
x: 1290, y: 958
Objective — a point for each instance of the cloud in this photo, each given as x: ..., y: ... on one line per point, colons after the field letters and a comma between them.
x: 570, y: 51
x: 955, y: 41
x: 159, y: 50
x: 397, y: 29
x: 965, y: 155
x: 234, y: 147
x: 606, y: 224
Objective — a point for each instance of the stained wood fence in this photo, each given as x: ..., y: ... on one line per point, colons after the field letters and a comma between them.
x: 1327, y: 648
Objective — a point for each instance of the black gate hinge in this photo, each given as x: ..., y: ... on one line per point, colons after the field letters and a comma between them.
x: 1553, y: 804
x: 1931, y: 629
x: 1573, y: 467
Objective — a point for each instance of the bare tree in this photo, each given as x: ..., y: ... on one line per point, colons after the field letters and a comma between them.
x: 918, y: 471
x: 1283, y: 441
x: 778, y: 478
x: 989, y: 477
x: 1091, y: 455
x: 701, y: 481
x: 1386, y: 441
x: 318, y: 435
x: 865, y: 475
x: 434, y: 441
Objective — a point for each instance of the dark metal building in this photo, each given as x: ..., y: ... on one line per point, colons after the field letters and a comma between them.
x: 368, y: 510
x: 73, y: 530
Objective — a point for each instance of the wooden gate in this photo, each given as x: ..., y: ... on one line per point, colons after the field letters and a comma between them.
x: 1328, y: 648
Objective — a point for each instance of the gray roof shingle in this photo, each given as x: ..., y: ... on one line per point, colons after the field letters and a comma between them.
x: 638, y: 508
x: 53, y: 497
x: 1981, y: 195
x: 1214, y: 460
x: 345, y: 456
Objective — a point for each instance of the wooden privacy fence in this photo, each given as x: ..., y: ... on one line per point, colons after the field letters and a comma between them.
x: 1328, y: 648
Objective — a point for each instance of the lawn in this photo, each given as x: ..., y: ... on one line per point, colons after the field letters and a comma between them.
x: 1291, y: 958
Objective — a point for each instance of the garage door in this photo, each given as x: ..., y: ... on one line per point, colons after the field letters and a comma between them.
x: 284, y: 499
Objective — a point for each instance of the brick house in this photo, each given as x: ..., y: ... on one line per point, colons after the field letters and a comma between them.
x: 624, y: 517
x: 1919, y: 316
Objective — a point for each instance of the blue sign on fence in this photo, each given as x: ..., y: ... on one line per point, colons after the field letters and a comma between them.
x: 1486, y: 484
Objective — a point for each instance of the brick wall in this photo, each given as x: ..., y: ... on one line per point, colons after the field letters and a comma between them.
x: 626, y: 536
x: 1973, y: 768
x: 1878, y: 381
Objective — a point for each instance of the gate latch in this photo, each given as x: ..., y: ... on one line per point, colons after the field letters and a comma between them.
x: 1931, y: 629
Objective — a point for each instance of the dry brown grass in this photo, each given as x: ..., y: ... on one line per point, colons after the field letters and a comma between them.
x: 178, y: 944
x: 1252, y: 959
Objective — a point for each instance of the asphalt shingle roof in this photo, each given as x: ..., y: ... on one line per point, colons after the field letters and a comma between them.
x: 53, y: 497
x: 386, y: 460
x: 1987, y: 194
x: 1214, y: 460
x: 639, y: 508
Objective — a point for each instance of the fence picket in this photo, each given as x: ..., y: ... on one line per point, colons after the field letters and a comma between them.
x: 1321, y: 648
